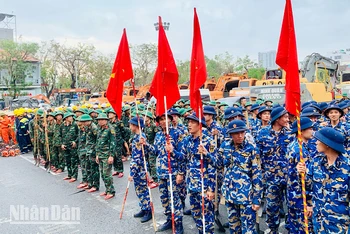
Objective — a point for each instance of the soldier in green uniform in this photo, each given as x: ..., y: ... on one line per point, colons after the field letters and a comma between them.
x: 34, y: 134
x: 92, y: 170
x: 150, y: 130
x: 57, y: 152
x: 126, y: 115
x: 41, y: 136
x: 69, y: 138
x: 120, y: 140
x: 50, y: 134
x: 105, y: 150
x: 82, y: 149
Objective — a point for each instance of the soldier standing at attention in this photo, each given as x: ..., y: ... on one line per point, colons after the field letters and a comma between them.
x: 328, y: 180
x: 150, y: 131
x: 92, y: 170
x: 50, y: 133
x: 191, y: 149
x: 242, y: 187
x: 119, y: 142
x: 57, y: 151
x: 137, y: 171
x: 69, y: 138
x: 272, y: 141
x: 82, y: 149
x: 161, y: 148
x: 105, y: 150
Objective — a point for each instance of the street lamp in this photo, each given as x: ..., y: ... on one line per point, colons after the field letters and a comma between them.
x: 166, y: 26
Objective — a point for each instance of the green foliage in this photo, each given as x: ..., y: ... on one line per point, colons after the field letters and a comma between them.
x: 15, y: 60
x: 183, y: 67
x: 144, y: 58
x: 256, y: 72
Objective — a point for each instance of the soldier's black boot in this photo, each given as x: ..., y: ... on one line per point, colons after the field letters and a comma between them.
x: 147, y: 216
x: 187, y: 212
x: 165, y: 226
x: 139, y: 214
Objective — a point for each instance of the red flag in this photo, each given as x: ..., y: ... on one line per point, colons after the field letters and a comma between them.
x: 165, y: 79
x: 198, y: 72
x: 121, y: 72
x: 287, y: 59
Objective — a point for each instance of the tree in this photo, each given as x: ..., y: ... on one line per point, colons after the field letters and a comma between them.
x: 144, y: 59
x: 74, y: 59
x: 49, y: 67
x: 256, y: 72
x: 98, y: 72
x: 183, y: 67
x: 15, y: 59
x: 244, y: 64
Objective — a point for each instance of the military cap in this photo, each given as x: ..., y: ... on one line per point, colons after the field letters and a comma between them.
x: 85, y: 117
x: 102, y: 116
x: 305, y: 123
x: 236, y: 126
x: 332, y: 138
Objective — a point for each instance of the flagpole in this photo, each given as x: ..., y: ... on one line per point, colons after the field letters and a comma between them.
x: 124, y: 201
x: 144, y: 160
x: 169, y: 168
x: 303, y: 189
x: 202, y: 168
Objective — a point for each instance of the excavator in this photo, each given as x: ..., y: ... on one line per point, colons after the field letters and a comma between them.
x: 318, y: 76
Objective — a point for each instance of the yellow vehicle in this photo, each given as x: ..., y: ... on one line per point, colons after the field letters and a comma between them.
x: 224, y: 84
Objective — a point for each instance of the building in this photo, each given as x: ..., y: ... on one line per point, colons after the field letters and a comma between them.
x: 7, y: 26
x: 32, y: 79
x: 268, y: 59
x: 342, y: 56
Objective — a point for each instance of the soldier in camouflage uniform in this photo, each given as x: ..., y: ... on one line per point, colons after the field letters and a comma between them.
x: 191, y: 149
x: 93, y: 172
x: 57, y: 151
x: 242, y: 187
x: 105, y: 150
x: 41, y: 136
x: 50, y: 134
x: 34, y: 133
x: 150, y: 130
x: 161, y: 148
x: 82, y: 149
x: 119, y: 143
x: 295, y: 206
x: 329, y: 183
x: 272, y: 142
x: 137, y: 171
x: 69, y: 138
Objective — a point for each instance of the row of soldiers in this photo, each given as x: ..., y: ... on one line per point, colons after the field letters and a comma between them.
x: 248, y: 159
x: 249, y: 153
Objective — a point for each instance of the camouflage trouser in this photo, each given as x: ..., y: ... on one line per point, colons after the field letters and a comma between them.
x: 197, y: 214
x: 183, y: 190
x: 295, y: 222
x: 57, y: 153
x: 165, y: 197
x: 93, y: 172
x: 83, y: 165
x: 242, y: 218
x: 274, y: 198
x: 117, y: 160
x: 42, y: 150
x: 106, y: 174
x: 142, y: 192
x: 72, y: 161
x: 152, y: 167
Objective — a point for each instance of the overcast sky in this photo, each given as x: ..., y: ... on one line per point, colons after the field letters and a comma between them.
x: 241, y: 27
